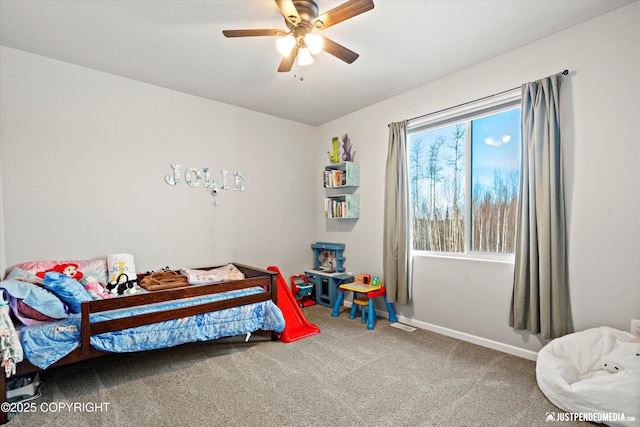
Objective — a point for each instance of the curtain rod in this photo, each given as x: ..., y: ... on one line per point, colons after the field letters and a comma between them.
x: 564, y: 73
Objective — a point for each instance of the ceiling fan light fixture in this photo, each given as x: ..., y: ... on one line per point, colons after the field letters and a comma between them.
x: 301, y: 18
x: 285, y: 44
x: 314, y: 42
x: 304, y: 57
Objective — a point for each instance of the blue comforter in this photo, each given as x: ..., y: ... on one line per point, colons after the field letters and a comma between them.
x: 45, y: 344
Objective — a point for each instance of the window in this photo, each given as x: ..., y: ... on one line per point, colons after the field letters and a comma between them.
x: 464, y: 171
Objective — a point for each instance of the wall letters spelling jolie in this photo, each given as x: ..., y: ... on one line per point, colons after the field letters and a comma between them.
x: 193, y: 178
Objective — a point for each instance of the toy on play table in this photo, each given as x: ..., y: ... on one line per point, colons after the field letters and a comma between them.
x: 367, y: 279
x: 363, y: 279
x: 363, y: 283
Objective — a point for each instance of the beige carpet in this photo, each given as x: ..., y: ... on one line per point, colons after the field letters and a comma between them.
x: 345, y: 376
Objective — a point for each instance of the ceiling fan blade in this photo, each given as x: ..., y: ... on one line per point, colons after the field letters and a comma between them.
x: 339, y: 51
x: 252, y: 33
x: 289, y: 11
x: 287, y: 63
x: 340, y: 13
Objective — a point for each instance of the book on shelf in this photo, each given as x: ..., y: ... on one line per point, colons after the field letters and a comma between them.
x: 335, y: 208
x: 334, y: 178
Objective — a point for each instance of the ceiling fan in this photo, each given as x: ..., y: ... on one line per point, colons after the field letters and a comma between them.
x: 301, y: 18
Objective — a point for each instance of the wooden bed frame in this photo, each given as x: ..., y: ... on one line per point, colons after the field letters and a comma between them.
x: 253, y: 277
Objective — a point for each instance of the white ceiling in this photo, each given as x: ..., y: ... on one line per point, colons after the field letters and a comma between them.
x: 179, y: 45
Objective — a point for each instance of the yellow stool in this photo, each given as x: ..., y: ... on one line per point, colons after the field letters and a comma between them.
x: 363, y: 303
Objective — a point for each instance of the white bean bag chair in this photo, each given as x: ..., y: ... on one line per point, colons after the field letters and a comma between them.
x: 593, y: 372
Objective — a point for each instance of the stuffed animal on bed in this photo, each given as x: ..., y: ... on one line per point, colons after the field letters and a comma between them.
x: 625, y: 355
x: 97, y: 291
x: 124, y: 286
x: 70, y: 270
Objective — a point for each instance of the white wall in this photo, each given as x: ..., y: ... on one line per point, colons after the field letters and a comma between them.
x: 3, y: 258
x: 83, y: 156
x: 470, y: 299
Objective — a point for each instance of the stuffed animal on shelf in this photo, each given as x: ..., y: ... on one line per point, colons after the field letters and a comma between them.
x: 97, y: 290
x: 624, y: 356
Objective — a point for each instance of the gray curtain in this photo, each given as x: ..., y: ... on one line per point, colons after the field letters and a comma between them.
x: 540, y: 300
x: 396, y: 257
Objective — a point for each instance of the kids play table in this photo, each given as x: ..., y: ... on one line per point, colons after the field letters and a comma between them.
x: 370, y: 293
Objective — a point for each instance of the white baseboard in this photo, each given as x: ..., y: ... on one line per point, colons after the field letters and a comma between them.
x: 463, y: 336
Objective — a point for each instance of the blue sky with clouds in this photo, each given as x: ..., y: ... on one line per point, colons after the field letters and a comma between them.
x: 489, y: 149
x: 496, y: 145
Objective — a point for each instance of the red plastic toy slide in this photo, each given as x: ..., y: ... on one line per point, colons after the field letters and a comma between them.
x: 296, y: 325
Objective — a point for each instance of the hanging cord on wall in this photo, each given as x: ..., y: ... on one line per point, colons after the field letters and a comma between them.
x: 214, y: 208
x: 564, y: 73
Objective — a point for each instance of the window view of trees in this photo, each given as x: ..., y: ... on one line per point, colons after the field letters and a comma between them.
x: 437, y: 164
x: 446, y: 191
